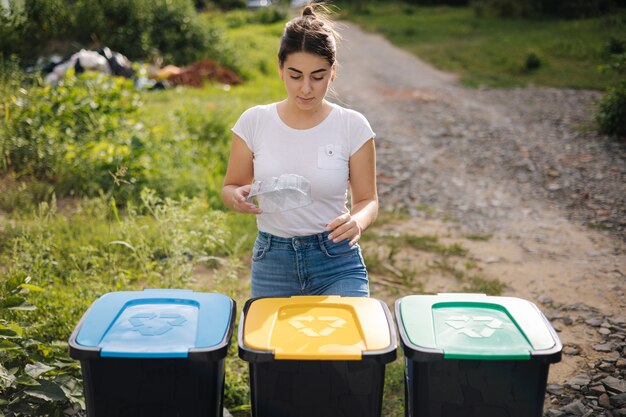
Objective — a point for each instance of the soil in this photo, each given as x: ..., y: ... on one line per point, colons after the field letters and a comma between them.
x: 522, y: 167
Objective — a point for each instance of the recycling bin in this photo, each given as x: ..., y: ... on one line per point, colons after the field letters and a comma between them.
x: 154, y: 353
x: 474, y: 355
x: 312, y: 356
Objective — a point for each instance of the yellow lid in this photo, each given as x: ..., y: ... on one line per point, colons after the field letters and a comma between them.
x: 316, y: 327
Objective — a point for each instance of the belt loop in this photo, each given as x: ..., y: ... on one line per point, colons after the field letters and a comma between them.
x: 320, y: 239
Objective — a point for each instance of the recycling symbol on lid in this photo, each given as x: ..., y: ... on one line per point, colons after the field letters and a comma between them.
x: 303, y: 324
x: 146, y: 325
x: 475, y: 327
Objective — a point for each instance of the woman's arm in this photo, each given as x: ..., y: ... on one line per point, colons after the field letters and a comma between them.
x: 363, y: 194
x: 239, y: 176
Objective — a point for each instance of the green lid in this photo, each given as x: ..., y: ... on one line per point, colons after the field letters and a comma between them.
x: 475, y: 326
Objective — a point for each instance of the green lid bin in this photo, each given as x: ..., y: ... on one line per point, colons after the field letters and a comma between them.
x: 474, y: 355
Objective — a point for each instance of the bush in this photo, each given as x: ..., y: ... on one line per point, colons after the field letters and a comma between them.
x: 177, y: 34
x: 230, y: 4
x: 75, y: 135
x: 615, y: 46
x: 12, y: 26
x: 504, y: 8
x: 140, y: 29
x: 439, y: 2
x: 611, y: 114
x: 532, y: 63
x: 122, y: 25
x: 576, y: 8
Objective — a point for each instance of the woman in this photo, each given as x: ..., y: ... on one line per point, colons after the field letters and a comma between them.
x: 310, y: 250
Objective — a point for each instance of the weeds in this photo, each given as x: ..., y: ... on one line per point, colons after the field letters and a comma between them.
x: 75, y: 257
x: 479, y: 237
x: 431, y: 244
x: 487, y: 286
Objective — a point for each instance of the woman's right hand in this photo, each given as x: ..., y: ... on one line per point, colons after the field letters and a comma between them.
x: 240, y: 203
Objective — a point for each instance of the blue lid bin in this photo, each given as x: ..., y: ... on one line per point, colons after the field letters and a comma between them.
x: 474, y: 355
x: 316, y: 356
x: 154, y: 353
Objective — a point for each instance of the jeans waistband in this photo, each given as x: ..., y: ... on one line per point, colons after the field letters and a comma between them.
x: 316, y: 239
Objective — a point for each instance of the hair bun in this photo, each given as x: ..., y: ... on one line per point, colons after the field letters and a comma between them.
x: 308, y: 11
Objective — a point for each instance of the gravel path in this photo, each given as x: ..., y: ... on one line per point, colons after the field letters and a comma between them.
x: 479, y: 154
x: 525, y: 167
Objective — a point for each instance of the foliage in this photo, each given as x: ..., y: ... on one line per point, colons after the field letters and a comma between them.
x: 230, y: 4
x: 84, y: 137
x: 75, y: 135
x: 439, y: 2
x: 35, y: 378
x: 156, y: 244
x: 46, y: 19
x: 177, y: 34
x: 11, y: 30
x: 611, y: 113
x: 533, y: 62
x: 560, y: 8
x: 123, y: 25
x: 504, y: 8
x: 73, y: 260
x: 140, y: 29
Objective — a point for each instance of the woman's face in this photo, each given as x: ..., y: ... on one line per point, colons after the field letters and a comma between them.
x: 307, y: 78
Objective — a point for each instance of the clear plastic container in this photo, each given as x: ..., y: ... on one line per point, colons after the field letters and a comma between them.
x: 282, y: 193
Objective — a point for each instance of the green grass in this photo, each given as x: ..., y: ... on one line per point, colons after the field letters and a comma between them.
x: 494, y: 52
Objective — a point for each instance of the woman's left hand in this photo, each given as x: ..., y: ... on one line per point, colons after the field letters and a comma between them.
x: 344, y: 227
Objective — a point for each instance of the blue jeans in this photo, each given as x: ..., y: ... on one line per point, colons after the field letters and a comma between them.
x: 307, y: 265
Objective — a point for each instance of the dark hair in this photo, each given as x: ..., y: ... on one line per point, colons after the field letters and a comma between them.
x: 310, y: 32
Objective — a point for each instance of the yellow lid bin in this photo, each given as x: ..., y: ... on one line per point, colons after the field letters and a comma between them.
x: 316, y: 355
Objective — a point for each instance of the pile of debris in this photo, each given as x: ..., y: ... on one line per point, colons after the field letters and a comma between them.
x: 114, y: 63
x: 195, y: 74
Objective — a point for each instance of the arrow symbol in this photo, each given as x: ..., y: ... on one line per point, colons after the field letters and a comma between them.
x: 470, y: 333
x: 296, y: 324
x: 309, y: 332
x: 137, y: 319
x: 487, y: 332
x: 327, y: 331
x: 495, y: 324
x: 177, y: 319
x: 337, y: 322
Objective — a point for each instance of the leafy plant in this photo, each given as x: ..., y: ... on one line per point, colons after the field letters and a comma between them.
x: 74, y: 135
x: 611, y: 113
x: 533, y: 62
x: 36, y: 379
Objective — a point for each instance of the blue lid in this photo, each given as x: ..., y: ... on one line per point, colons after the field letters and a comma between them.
x: 155, y: 323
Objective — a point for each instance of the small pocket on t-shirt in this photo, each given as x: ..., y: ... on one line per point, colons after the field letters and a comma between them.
x: 332, y: 157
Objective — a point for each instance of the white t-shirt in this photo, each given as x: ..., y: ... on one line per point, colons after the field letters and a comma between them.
x: 320, y: 154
